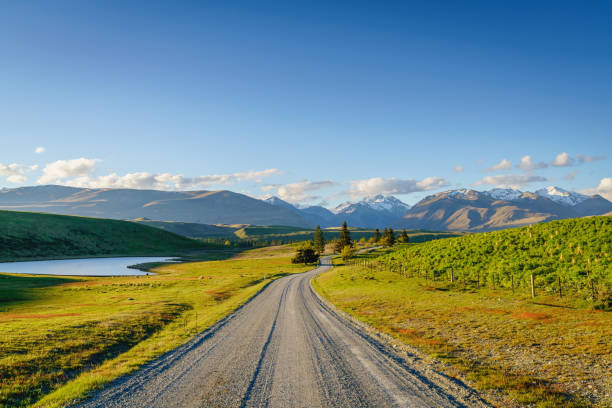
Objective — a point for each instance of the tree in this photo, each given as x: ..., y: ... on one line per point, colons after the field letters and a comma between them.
x: 377, y: 235
x: 305, y: 254
x: 319, y: 241
x: 347, y: 253
x: 404, y: 239
x: 388, y: 238
x: 345, y: 236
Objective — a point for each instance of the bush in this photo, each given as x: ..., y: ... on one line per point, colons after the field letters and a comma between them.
x: 305, y: 255
x: 347, y: 253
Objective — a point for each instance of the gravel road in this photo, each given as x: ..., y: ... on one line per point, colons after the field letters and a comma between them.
x: 285, y: 348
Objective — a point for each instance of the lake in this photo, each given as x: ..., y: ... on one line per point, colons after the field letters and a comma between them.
x: 81, y: 267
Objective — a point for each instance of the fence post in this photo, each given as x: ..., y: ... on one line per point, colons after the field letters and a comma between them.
x: 560, y: 292
x: 452, y: 277
x: 532, y: 287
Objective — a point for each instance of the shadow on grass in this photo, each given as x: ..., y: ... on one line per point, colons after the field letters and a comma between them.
x: 19, y: 288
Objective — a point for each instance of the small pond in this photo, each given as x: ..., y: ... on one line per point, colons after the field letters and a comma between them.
x: 82, y: 267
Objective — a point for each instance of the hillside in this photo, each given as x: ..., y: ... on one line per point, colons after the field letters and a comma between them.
x: 26, y: 235
x: 468, y: 303
x: 204, y: 207
x: 190, y: 229
x: 572, y: 256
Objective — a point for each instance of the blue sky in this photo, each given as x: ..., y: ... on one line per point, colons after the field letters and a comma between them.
x: 311, y: 101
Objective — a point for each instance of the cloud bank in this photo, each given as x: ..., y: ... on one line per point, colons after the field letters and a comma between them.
x: 79, y: 173
x: 510, y: 180
x: 15, y: 173
x: 387, y: 186
x: 604, y: 189
x: 297, y: 192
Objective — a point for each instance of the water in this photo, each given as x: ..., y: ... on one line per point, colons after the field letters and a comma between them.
x: 81, y: 267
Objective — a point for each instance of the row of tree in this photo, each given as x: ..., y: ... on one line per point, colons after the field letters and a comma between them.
x: 310, y: 251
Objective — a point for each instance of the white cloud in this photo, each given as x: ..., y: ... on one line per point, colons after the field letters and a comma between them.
x: 378, y: 185
x: 604, y: 189
x: 79, y: 174
x: 64, y: 169
x: 39, y: 150
x: 502, y: 165
x: 459, y: 169
x: 510, y: 180
x: 225, y: 179
x: 528, y: 165
x: 296, y: 192
x: 15, y: 173
x: 562, y: 160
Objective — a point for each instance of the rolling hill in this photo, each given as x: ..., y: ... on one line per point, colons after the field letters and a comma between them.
x: 203, y: 207
x: 26, y: 235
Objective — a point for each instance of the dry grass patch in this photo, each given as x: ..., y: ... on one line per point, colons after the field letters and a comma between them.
x: 516, y: 351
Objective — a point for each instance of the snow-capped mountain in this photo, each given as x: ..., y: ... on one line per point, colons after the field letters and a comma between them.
x: 372, y: 212
x: 562, y: 196
x: 388, y: 203
x: 378, y: 203
x: 507, y: 194
x: 471, y: 210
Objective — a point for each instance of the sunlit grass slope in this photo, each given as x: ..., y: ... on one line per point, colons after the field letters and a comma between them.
x: 26, y: 235
x: 549, y: 351
x: 62, y: 337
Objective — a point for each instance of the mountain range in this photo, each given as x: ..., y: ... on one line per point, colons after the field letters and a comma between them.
x: 463, y: 209
x: 203, y: 207
x: 471, y: 210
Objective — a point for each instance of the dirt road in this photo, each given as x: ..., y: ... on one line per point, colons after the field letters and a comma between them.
x: 285, y: 348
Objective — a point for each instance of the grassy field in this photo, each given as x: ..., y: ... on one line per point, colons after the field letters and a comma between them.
x: 519, y: 351
x: 61, y: 337
x: 26, y: 235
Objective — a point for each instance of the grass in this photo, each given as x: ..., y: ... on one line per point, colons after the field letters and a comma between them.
x: 61, y: 337
x: 517, y: 351
x: 30, y: 236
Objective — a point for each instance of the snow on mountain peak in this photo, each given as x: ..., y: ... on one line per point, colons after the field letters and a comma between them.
x: 506, y: 194
x: 562, y: 196
x: 379, y: 203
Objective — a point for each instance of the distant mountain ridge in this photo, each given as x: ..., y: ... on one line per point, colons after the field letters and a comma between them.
x: 453, y: 210
x: 371, y: 212
x: 204, y: 207
x: 471, y: 210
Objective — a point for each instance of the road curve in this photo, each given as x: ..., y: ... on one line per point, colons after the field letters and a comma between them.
x: 284, y: 348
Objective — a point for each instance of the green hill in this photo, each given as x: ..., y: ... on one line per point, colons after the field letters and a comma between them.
x: 26, y: 235
x: 569, y: 255
x: 191, y: 230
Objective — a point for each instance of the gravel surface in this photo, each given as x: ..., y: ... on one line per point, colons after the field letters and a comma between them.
x: 285, y: 348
